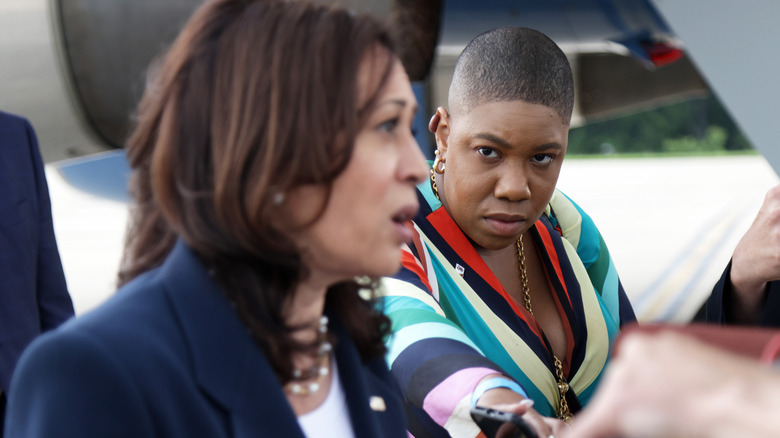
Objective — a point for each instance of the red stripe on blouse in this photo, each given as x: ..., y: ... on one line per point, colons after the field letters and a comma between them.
x: 409, y: 262
x: 567, y: 329
x: 449, y: 230
x: 550, y: 250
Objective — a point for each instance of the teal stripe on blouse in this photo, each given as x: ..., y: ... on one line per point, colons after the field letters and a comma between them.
x: 478, y: 329
x: 612, y: 332
x: 407, y: 336
x: 610, y: 295
x: 392, y: 303
x: 588, y: 248
x: 594, y: 254
x: 408, y: 317
x: 585, y: 395
x: 610, y: 321
x: 598, y: 270
x: 425, y: 188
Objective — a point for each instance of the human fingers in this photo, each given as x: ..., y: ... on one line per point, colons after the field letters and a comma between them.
x: 557, y: 427
x: 543, y: 426
x: 594, y: 422
x: 520, y: 408
x: 601, y: 417
x: 757, y: 250
x: 535, y: 421
x: 772, y: 198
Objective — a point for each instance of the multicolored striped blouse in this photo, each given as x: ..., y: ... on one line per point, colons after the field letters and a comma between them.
x: 454, y: 323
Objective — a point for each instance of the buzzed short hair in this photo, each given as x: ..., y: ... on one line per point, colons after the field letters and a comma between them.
x: 513, y: 63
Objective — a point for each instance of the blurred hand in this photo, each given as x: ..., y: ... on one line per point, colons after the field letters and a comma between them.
x: 667, y: 385
x: 756, y: 260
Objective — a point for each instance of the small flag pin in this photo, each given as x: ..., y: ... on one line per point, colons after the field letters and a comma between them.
x: 377, y: 403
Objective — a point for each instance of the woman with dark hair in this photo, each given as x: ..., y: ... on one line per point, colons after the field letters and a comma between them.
x: 273, y: 166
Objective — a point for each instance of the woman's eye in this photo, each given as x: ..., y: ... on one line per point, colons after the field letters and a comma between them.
x: 542, y: 158
x: 388, y: 125
x: 488, y: 152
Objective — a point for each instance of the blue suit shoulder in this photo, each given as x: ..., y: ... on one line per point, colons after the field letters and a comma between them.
x: 122, y: 370
x: 169, y: 355
x: 13, y: 121
x: 18, y: 142
x: 33, y: 294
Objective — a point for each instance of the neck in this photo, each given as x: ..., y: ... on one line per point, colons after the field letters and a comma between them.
x: 490, y: 254
x: 508, y: 250
x: 504, y: 264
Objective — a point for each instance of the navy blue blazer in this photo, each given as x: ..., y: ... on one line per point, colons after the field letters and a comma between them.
x: 715, y: 305
x: 33, y: 295
x: 168, y: 356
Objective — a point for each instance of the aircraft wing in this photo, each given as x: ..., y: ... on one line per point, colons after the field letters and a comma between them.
x: 735, y: 45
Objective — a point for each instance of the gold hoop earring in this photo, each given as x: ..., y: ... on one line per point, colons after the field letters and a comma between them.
x: 433, y: 186
x: 438, y: 163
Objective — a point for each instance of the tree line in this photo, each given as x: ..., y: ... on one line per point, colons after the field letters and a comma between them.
x: 696, y: 126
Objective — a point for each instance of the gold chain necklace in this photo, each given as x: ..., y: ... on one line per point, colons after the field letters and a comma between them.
x: 564, y: 413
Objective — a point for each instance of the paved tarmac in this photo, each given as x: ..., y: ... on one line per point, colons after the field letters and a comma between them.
x: 671, y: 224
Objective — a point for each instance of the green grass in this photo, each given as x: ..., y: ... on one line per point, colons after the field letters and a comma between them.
x: 748, y: 152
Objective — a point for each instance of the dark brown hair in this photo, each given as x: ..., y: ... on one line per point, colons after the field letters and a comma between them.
x: 254, y: 97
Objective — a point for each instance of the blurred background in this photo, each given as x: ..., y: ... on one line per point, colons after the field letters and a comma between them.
x: 671, y: 148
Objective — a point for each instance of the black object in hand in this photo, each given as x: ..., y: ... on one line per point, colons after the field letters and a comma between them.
x: 500, y: 424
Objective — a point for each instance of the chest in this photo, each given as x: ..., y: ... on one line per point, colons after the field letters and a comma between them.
x: 509, y: 268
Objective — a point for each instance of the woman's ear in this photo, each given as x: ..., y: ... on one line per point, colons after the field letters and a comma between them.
x: 434, y: 123
x: 440, y: 127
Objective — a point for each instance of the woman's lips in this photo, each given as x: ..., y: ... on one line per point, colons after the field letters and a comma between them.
x: 399, y: 221
x: 505, y: 225
x: 403, y: 233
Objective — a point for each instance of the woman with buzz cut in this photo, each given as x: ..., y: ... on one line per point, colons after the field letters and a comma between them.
x: 508, y: 296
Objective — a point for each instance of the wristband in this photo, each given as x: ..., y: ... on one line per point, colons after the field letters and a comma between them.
x: 493, y: 383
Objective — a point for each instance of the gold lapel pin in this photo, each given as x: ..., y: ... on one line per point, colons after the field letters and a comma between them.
x: 377, y: 403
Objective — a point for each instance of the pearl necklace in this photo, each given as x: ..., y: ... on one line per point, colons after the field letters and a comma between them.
x: 321, y: 368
